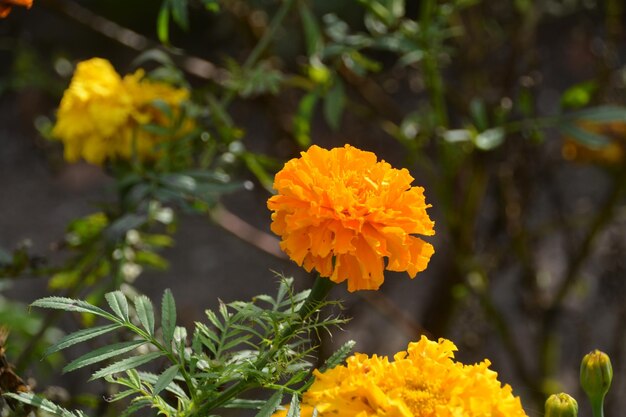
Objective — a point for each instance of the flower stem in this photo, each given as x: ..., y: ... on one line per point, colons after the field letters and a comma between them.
x: 319, y: 291
x: 597, y: 407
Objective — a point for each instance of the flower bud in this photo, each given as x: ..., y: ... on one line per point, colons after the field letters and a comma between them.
x: 561, y: 405
x: 596, y: 374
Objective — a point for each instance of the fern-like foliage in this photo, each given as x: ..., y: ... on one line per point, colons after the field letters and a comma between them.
x: 263, y: 343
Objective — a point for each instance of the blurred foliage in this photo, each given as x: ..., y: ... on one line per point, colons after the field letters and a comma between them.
x: 508, y: 112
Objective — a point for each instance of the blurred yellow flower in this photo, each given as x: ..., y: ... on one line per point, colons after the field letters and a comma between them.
x: 100, y: 113
x: 342, y: 212
x: 7, y: 5
x: 424, y: 381
x: 612, y: 153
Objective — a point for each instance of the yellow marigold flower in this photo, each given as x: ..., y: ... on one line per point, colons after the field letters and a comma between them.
x: 423, y: 381
x: 100, y: 113
x: 342, y: 212
x: 7, y: 5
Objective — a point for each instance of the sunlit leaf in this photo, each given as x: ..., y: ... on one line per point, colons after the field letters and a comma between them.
x: 126, y: 364
x: 103, y: 353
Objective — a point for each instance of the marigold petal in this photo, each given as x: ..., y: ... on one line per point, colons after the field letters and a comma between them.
x: 355, y: 209
x: 100, y: 114
x: 423, y: 381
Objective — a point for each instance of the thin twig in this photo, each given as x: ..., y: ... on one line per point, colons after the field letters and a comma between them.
x: 197, y: 66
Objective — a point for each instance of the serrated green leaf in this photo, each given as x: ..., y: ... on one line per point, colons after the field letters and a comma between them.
x: 339, y: 356
x: 41, y: 403
x: 294, y: 407
x: 237, y: 341
x: 126, y: 364
x: 214, y: 320
x: 145, y: 313
x: 121, y: 395
x: 334, y: 103
x: 168, y: 317
x: 103, y: 353
x: 180, y: 339
x: 118, y: 303
x: 134, y: 378
x: 80, y: 336
x: 69, y: 304
x: 271, y: 405
x: 172, y: 387
x: 135, y: 406
x: 165, y: 379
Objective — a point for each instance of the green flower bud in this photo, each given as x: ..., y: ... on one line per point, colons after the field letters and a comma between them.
x: 561, y: 405
x: 596, y: 374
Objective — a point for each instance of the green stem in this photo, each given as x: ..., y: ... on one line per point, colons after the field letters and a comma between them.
x: 597, y: 407
x: 319, y: 291
x: 431, y: 68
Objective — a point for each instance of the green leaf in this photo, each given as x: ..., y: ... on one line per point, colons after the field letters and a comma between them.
x: 145, y: 313
x: 312, y: 32
x: 179, y: 13
x: 69, y: 304
x: 259, y: 171
x: 163, y: 107
x: 42, y: 404
x: 180, y: 339
x: 271, y: 405
x: 163, y: 23
x: 156, y: 55
x: 102, y: 353
x: 478, y: 111
x: 339, y: 356
x: 590, y: 139
x: 172, y: 387
x: 165, y: 379
x: 294, y: 407
x: 118, y: 303
x: 80, y: 336
x: 302, y: 119
x: 180, y: 182
x: 579, y: 95
x: 126, y: 364
x: 151, y: 259
x: 119, y: 227
x: 490, y: 139
x: 168, y: 317
x: 334, y: 103
x: 601, y: 114
x: 135, y: 406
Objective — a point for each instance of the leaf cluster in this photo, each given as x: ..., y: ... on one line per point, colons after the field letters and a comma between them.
x: 263, y: 343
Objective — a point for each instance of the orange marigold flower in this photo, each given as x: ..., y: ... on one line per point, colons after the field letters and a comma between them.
x: 342, y: 212
x: 6, y: 5
x: 423, y: 381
